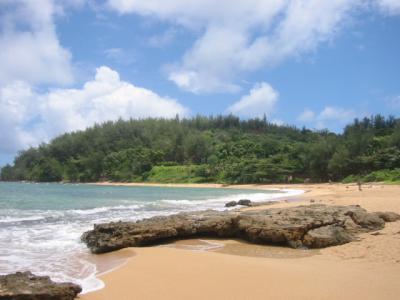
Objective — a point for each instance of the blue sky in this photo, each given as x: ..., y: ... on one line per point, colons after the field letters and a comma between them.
x: 68, y: 64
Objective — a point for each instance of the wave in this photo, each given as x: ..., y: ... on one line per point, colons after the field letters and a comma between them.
x: 8, y: 219
x: 32, y: 239
x: 103, y: 209
x: 254, y: 197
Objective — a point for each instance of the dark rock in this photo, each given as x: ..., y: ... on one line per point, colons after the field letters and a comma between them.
x: 377, y: 233
x: 312, y: 226
x: 230, y: 204
x: 371, y: 221
x: 326, y: 236
x: 244, y: 202
x: 388, y: 216
x: 27, y: 286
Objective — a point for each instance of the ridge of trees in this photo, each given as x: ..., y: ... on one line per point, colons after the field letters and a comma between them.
x: 213, y: 149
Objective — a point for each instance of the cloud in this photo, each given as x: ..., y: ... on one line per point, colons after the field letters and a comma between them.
x: 30, y: 50
x: 31, y: 117
x: 16, y: 103
x: 278, y: 122
x: 306, y: 116
x: 391, y: 7
x: 393, y: 102
x: 335, y: 116
x: 119, y: 56
x: 336, y: 113
x: 261, y: 100
x: 198, y: 83
x: 240, y: 38
x: 163, y: 39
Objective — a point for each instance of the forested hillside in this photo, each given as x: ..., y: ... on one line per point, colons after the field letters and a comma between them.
x: 214, y: 149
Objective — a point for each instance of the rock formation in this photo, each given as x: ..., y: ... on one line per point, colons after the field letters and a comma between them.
x: 27, y: 286
x: 313, y: 226
x: 230, y: 204
x: 243, y: 202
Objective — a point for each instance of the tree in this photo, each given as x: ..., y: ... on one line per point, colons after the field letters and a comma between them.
x: 219, y: 148
x: 6, y: 173
x: 47, y: 170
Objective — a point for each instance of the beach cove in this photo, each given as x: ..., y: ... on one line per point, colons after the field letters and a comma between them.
x: 368, y: 268
x: 41, y: 223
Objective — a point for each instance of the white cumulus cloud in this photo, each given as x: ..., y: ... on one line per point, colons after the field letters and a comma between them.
x: 31, y: 117
x: 391, y: 7
x: 332, y: 115
x: 241, y: 36
x: 261, y: 100
x: 336, y: 113
x: 30, y: 49
x: 16, y: 104
x: 306, y: 116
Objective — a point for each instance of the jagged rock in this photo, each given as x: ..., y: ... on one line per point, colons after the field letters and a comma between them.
x: 326, y: 236
x: 244, y: 202
x: 312, y: 226
x: 230, y: 204
x: 370, y: 221
x: 27, y: 286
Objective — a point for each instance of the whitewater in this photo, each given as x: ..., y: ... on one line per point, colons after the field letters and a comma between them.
x: 41, y: 224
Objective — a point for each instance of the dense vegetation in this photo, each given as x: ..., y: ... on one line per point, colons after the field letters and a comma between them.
x: 213, y: 149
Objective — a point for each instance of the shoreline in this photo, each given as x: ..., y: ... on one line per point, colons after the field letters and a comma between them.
x: 255, y: 186
x: 347, y: 271
x: 110, y: 262
x: 289, y: 191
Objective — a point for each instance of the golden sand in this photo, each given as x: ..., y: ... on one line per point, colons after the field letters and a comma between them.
x: 365, y: 269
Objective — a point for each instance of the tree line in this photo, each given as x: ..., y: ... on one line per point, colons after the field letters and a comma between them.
x: 211, y: 149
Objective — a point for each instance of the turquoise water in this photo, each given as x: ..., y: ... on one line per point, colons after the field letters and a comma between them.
x: 83, y: 196
x: 40, y: 224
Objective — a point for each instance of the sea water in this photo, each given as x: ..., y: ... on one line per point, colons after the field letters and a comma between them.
x: 41, y: 224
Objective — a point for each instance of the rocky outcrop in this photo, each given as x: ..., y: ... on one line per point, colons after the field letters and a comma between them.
x: 26, y: 286
x: 311, y: 226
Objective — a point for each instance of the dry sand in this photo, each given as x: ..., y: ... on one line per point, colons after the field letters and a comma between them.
x: 365, y: 269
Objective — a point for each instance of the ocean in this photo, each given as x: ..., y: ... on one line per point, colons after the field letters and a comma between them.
x: 41, y: 223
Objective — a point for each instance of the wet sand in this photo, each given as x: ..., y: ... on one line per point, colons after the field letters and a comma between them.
x: 228, y: 269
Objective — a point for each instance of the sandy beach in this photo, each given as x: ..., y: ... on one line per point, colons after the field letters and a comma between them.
x: 365, y: 269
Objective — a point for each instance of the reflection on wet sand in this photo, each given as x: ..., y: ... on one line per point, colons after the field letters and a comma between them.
x: 110, y: 261
x: 241, y: 248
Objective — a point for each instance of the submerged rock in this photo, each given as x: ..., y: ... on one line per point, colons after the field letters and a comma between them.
x: 311, y: 226
x: 27, y: 286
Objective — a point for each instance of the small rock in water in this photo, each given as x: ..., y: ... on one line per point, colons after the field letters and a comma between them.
x: 230, y: 204
x: 244, y: 202
x: 27, y: 286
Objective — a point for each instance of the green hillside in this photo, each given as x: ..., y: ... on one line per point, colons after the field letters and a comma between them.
x: 214, y: 149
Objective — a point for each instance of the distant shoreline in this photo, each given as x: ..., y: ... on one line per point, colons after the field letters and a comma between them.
x: 257, y: 186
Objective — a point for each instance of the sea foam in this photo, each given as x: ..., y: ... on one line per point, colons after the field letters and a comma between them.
x: 47, y: 241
